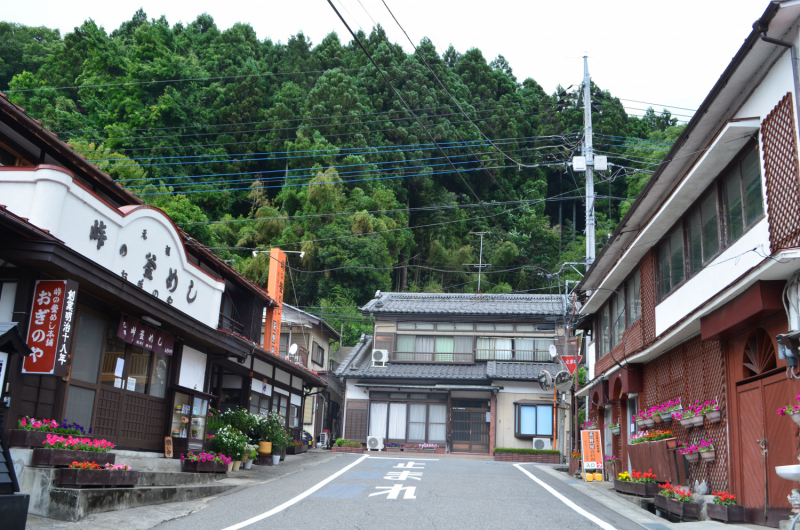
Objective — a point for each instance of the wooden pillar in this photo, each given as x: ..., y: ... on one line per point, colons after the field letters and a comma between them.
x: 492, y: 420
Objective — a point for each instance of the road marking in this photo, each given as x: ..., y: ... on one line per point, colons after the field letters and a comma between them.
x: 297, y: 499
x: 592, y: 518
x: 392, y: 492
x: 401, y: 458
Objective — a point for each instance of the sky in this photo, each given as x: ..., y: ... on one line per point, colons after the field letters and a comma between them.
x: 666, y: 53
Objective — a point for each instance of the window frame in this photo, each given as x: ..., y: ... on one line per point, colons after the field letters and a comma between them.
x: 517, y: 419
x: 318, y: 354
x: 606, y: 310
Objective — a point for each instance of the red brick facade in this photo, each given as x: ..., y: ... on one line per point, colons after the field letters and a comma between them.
x: 523, y: 457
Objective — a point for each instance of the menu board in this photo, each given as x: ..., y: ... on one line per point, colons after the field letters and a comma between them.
x: 591, y: 451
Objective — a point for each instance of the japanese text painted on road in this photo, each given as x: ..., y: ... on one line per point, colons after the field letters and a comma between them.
x: 407, y: 472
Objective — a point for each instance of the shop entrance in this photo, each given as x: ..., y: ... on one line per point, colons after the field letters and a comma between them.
x: 470, y: 426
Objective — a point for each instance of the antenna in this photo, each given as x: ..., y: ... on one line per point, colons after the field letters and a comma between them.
x: 480, y: 264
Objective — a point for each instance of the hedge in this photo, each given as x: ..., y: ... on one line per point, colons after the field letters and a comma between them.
x: 527, y: 451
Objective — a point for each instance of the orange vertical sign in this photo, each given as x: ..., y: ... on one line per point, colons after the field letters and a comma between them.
x: 272, y: 329
x: 591, y: 451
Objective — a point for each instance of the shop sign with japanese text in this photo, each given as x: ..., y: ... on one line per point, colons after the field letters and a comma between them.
x: 132, y: 331
x: 591, y: 451
x: 51, y: 327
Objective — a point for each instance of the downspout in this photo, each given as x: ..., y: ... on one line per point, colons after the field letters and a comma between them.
x: 793, y: 49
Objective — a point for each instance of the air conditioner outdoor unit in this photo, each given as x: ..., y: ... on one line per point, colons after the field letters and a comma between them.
x: 374, y: 443
x: 380, y: 357
x: 542, y: 443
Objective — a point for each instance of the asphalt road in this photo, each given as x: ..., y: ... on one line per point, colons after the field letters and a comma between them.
x: 379, y: 493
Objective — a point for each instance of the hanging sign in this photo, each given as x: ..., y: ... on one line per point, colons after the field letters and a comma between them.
x: 50, y: 327
x: 591, y: 451
x: 132, y: 331
x: 277, y: 270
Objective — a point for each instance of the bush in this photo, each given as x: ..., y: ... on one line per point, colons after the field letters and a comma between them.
x: 340, y: 442
x: 526, y: 451
x: 352, y: 444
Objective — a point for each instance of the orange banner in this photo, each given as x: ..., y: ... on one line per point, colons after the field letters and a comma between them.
x: 272, y: 329
x: 591, y: 450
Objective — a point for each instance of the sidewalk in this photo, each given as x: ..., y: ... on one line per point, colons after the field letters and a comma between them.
x: 603, y: 493
x: 146, y: 517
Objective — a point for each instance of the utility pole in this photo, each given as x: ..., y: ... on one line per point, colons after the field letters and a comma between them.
x: 588, y: 152
x: 480, y: 264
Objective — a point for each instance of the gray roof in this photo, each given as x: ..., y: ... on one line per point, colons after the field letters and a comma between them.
x: 10, y: 339
x: 288, y: 309
x: 359, y: 365
x: 527, y: 305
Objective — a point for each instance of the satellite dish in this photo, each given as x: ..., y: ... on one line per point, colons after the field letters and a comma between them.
x: 292, y: 349
x: 553, y: 350
x: 545, y: 380
x: 563, y: 380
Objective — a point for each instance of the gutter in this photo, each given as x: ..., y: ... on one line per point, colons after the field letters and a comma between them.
x: 763, y: 28
x: 433, y: 387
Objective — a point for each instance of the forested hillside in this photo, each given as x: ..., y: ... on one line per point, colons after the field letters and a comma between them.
x: 249, y: 144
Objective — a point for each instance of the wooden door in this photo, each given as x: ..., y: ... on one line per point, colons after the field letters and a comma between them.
x: 777, y: 391
x: 470, y: 428
x: 751, y: 470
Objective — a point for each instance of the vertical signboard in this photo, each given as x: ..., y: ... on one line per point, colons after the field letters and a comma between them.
x: 591, y: 452
x: 272, y: 326
x: 51, y: 327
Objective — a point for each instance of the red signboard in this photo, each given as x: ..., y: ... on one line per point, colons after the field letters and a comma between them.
x: 571, y: 362
x: 134, y: 332
x: 50, y: 328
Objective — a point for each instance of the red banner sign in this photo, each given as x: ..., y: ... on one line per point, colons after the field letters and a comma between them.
x: 571, y: 362
x: 134, y: 332
x: 50, y: 328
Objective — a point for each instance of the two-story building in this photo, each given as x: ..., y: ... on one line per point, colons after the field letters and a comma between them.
x: 461, y: 371
x: 135, y: 327
x: 689, y: 296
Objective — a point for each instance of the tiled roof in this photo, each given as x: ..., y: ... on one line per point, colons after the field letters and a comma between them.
x: 529, y: 305
x: 359, y: 364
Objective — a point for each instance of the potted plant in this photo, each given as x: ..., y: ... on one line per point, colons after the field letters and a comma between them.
x: 294, y: 448
x: 690, y: 416
x: 428, y: 448
x: 589, y: 425
x: 392, y: 447
x: 668, y: 409
x: 644, y: 420
x: 80, y: 474
x: 792, y: 410
x: 637, y: 483
x: 614, y: 427
x: 690, y: 452
x: 574, y: 462
x: 206, y: 462
x: 251, y: 456
x: 706, y: 450
x: 280, y: 439
x: 233, y: 443
x: 677, y: 501
x: 59, y: 451
x: 265, y: 427
x: 31, y: 432
x: 610, y: 467
x: 724, y: 508
x: 710, y: 410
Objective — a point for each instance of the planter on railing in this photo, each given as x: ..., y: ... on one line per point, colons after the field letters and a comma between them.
x: 26, y: 438
x: 203, y: 467
x: 78, y: 478
x: 714, y: 416
x: 725, y: 513
x: 636, y: 488
x: 65, y: 457
x: 684, y: 510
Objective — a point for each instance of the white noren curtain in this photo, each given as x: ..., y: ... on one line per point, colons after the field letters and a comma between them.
x: 416, y: 422
x: 437, y: 423
x: 397, y: 421
x: 377, y: 419
x: 503, y: 349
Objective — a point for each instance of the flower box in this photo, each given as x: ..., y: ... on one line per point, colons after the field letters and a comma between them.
x: 65, y: 457
x: 78, y: 478
x: 615, y: 431
x: 203, y: 467
x: 392, y: 449
x: 714, y: 416
x: 725, y: 513
x: 697, y: 421
x: 347, y: 449
x: 26, y: 438
x: 666, y: 417
x: 708, y: 456
x: 294, y: 450
x: 646, y: 423
x: 687, y: 423
x: 692, y: 457
x: 639, y: 489
x: 684, y: 510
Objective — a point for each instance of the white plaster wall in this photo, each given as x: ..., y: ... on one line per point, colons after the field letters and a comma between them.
x: 52, y: 201
x: 590, y: 360
x: 356, y: 392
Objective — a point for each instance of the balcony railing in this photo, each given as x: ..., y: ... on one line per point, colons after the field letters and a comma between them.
x: 300, y: 357
x: 530, y: 356
x: 419, y: 357
x: 228, y: 324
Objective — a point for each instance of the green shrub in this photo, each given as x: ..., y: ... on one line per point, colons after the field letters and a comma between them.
x: 348, y: 443
x: 340, y: 442
x: 526, y: 451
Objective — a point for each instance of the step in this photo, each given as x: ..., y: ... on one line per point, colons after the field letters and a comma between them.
x: 68, y: 504
x: 161, y: 478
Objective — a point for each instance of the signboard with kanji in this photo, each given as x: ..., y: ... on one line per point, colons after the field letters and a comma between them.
x: 272, y: 330
x: 591, y: 451
x: 134, y: 332
x: 51, y: 327
x: 571, y: 362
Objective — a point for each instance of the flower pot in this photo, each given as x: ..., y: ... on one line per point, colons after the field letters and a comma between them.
x: 264, y: 448
x: 683, y: 510
x: 283, y: 454
x: 236, y: 465
x: 647, y: 423
x: 666, y: 417
x: 687, y: 423
x: 692, y: 458
x: 615, y: 431
x: 65, y: 457
x: 796, y: 417
x: 639, y: 489
x: 657, y: 418
x: 229, y: 468
x: 697, y: 421
x: 708, y: 456
x: 726, y: 514
x: 715, y: 416
x: 77, y: 478
x: 276, y: 459
x: 248, y: 464
x: 672, y: 443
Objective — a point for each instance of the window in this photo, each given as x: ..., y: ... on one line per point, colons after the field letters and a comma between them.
x: 417, y: 415
x: 294, y: 416
x: 604, y: 335
x: 634, y: 297
x: 618, y: 314
x: 703, y: 233
x: 437, y: 423
x: 533, y: 420
x: 259, y: 404
x: 279, y: 405
x: 319, y: 354
x: 670, y: 261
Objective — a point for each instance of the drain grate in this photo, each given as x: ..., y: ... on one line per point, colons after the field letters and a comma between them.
x: 655, y: 526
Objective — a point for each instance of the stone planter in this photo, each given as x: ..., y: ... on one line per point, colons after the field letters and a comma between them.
x: 726, y: 514
x: 65, y: 457
x: 636, y: 488
x: 615, y: 431
x: 708, y: 456
x: 715, y: 416
x: 204, y: 467
x: 692, y: 458
x: 697, y: 421
x: 35, y: 439
x: 78, y: 478
x: 687, y: 423
x: 684, y: 510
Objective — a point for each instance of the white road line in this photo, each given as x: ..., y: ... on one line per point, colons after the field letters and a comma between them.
x: 297, y: 499
x: 566, y: 501
x: 421, y: 460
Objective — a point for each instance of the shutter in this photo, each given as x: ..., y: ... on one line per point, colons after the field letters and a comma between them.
x: 356, y: 428
x: 384, y: 341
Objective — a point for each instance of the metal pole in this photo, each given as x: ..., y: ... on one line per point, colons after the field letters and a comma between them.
x: 480, y: 264
x: 589, y: 154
